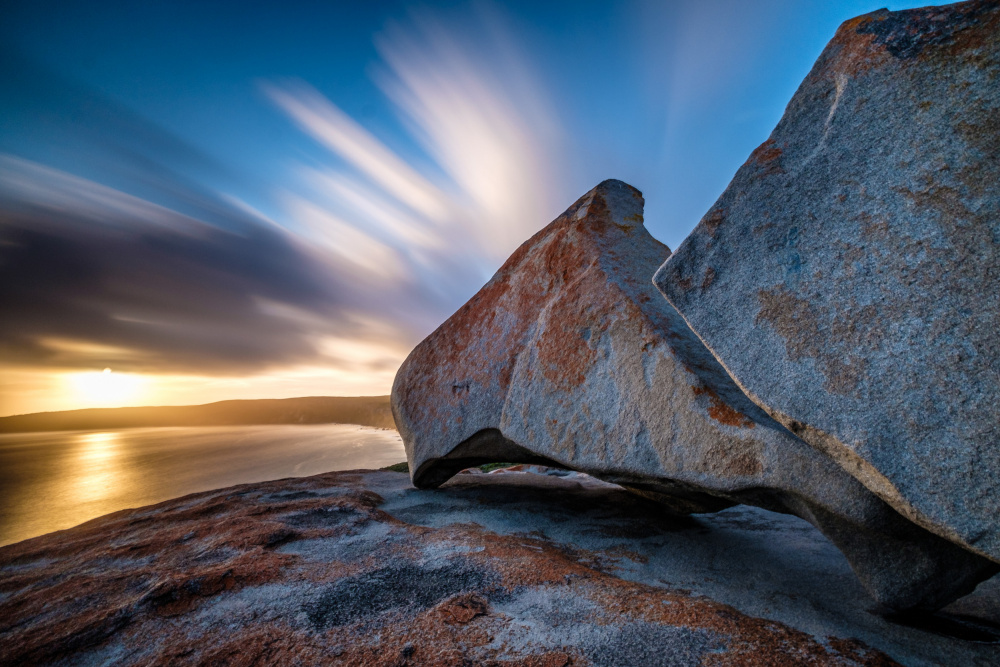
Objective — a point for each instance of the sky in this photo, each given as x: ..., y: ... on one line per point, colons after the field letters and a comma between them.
x: 203, y: 201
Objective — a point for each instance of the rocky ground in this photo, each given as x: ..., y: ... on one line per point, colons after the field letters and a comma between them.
x: 515, y: 568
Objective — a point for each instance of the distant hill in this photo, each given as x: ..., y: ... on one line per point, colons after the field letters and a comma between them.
x: 363, y: 410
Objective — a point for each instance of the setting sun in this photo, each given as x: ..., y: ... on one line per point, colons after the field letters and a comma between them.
x: 106, y: 388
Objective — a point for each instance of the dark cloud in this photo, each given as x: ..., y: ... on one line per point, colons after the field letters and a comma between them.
x: 83, y: 264
x: 142, y: 265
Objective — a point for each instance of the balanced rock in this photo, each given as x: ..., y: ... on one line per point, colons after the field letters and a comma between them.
x: 849, y: 277
x: 569, y: 356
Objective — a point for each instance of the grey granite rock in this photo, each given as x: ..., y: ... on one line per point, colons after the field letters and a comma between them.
x: 570, y: 356
x: 849, y: 277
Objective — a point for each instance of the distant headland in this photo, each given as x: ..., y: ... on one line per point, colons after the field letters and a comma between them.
x: 363, y: 410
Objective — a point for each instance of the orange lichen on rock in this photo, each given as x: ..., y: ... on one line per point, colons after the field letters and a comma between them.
x: 715, y: 217
x: 720, y: 411
x: 767, y: 156
x: 875, y: 40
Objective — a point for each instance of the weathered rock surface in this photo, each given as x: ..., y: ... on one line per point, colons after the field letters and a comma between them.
x: 569, y: 355
x: 359, y: 568
x: 849, y: 277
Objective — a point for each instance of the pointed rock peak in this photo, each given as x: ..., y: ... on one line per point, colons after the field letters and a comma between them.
x: 617, y: 200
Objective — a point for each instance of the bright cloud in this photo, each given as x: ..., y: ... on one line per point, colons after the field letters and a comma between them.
x: 479, y: 114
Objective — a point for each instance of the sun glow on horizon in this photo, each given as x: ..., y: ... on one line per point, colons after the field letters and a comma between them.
x: 107, y: 388
x: 362, y: 371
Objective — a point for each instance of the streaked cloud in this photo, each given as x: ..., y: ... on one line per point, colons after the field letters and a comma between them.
x: 359, y: 256
x: 479, y: 115
x: 480, y: 112
x: 341, y: 134
x: 93, y: 276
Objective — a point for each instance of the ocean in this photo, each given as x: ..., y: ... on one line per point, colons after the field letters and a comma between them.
x: 55, y: 480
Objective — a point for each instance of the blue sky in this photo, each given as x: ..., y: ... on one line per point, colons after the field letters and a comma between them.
x: 225, y: 200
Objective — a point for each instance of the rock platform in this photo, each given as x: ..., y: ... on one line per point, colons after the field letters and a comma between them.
x: 360, y: 568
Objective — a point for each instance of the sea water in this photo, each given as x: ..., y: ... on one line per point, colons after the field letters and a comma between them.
x: 55, y: 480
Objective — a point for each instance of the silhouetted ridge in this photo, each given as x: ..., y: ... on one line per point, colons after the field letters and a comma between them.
x: 363, y: 410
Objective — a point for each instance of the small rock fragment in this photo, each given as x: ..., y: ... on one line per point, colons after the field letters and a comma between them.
x: 463, y: 608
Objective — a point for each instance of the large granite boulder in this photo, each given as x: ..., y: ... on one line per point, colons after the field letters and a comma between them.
x: 569, y: 356
x: 849, y: 277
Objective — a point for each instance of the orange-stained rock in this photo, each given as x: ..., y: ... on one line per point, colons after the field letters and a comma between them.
x: 570, y: 356
x: 359, y: 569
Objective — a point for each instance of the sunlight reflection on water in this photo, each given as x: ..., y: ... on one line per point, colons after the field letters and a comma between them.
x: 51, y: 481
x: 97, y: 473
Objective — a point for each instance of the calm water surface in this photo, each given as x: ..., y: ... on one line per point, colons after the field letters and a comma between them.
x: 50, y: 481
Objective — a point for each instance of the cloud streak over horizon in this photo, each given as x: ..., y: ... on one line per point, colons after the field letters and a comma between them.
x: 92, y: 276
